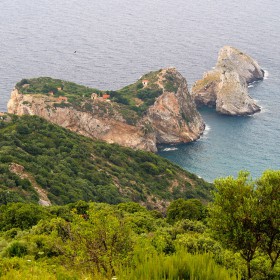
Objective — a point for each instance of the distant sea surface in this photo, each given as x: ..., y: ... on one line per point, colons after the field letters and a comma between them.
x: 110, y: 43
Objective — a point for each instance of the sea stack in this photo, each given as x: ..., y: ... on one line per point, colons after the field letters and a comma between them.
x: 226, y: 87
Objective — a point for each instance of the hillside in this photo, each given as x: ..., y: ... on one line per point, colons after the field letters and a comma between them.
x: 154, y: 110
x: 40, y: 161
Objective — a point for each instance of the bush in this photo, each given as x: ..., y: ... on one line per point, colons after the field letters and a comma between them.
x: 22, y: 82
x: 180, y: 209
x: 17, y: 249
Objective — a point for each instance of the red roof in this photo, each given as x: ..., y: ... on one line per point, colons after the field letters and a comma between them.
x: 62, y: 98
x: 106, y: 96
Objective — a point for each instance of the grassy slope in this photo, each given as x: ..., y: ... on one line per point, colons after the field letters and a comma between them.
x: 72, y: 167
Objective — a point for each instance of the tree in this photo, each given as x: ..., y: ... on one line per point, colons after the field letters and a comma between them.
x: 234, y: 216
x: 245, y: 216
x: 268, y: 194
x: 180, y: 209
x: 20, y: 215
x: 99, y: 242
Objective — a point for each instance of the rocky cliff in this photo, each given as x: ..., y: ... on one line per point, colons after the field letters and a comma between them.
x: 156, y: 109
x: 232, y: 59
x: 226, y: 87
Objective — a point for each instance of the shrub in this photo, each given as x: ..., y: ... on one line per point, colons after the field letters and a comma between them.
x: 17, y: 249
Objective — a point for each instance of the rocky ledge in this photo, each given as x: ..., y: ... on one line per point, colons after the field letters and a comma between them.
x: 157, y: 109
x: 226, y: 87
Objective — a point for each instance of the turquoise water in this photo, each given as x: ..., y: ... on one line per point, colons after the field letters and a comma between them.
x: 118, y: 41
x: 231, y: 144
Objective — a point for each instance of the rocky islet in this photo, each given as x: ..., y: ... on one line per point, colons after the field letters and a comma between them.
x: 226, y: 86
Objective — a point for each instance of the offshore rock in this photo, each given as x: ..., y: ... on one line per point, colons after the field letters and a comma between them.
x: 232, y: 96
x: 232, y: 59
x: 226, y: 87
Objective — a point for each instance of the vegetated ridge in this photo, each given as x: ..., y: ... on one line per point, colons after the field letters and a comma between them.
x: 71, y: 167
x: 156, y: 109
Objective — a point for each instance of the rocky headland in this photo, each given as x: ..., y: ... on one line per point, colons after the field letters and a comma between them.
x: 157, y: 109
x: 226, y: 86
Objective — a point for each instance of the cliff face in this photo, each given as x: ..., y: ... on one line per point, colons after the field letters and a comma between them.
x: 226, y: 87
x: 108, y: 127
x: 244, y: 65
x: 172, y: 118
x: 232, y: 96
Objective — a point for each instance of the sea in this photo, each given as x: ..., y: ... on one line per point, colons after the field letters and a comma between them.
x: 111, y: 43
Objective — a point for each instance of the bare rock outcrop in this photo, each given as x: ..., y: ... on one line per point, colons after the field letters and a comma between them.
x: 20, y: 171
x: 226, y: 87
x: 232, y: 59
x: 172, y: 118
x: 232, y: 96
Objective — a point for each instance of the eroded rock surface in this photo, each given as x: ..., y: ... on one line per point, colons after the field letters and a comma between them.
x: 226, y: 87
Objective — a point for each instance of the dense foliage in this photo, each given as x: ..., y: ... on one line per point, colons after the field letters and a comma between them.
x: 99, y: 241
x: 71, y: 167
x: 245, y: 217
x: 93, y: 240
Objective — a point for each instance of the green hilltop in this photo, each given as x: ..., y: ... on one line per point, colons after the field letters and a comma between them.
x: 131, y: 101
x: 136, y: 97
x: 236, y: 236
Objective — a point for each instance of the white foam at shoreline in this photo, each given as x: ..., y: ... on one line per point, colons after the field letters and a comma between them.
x: 265, y: 75
x: 207, y: 129
x: 205, y: 132
x: 169, y: 149
x: 263, y: 110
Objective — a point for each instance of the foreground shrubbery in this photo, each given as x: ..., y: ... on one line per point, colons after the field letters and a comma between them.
x: 245, y: 218
x: 99, y: 241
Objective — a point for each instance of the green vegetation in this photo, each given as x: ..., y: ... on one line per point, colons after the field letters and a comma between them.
x: 99, y: 241
x: 71, y: 167
x: 170, y: 82
x: 131, y: 101
x: 44, y: 85
x: 235, y: 237
x: 245, y: 217
x: 180, y: 209
x: 210, y: 79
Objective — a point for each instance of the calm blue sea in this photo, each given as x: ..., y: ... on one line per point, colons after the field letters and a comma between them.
x: 116, y: 41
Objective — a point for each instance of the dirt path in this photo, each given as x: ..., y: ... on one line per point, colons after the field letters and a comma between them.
x: 19, y: 170
x: 160, y: 78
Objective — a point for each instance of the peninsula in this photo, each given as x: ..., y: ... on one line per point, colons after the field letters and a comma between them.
x: 156, y: 109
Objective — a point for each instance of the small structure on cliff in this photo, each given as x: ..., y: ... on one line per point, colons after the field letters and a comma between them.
x: 106, y: 96
x: 62, y: 98
x: 94, y: 96
x: 145, y: 83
